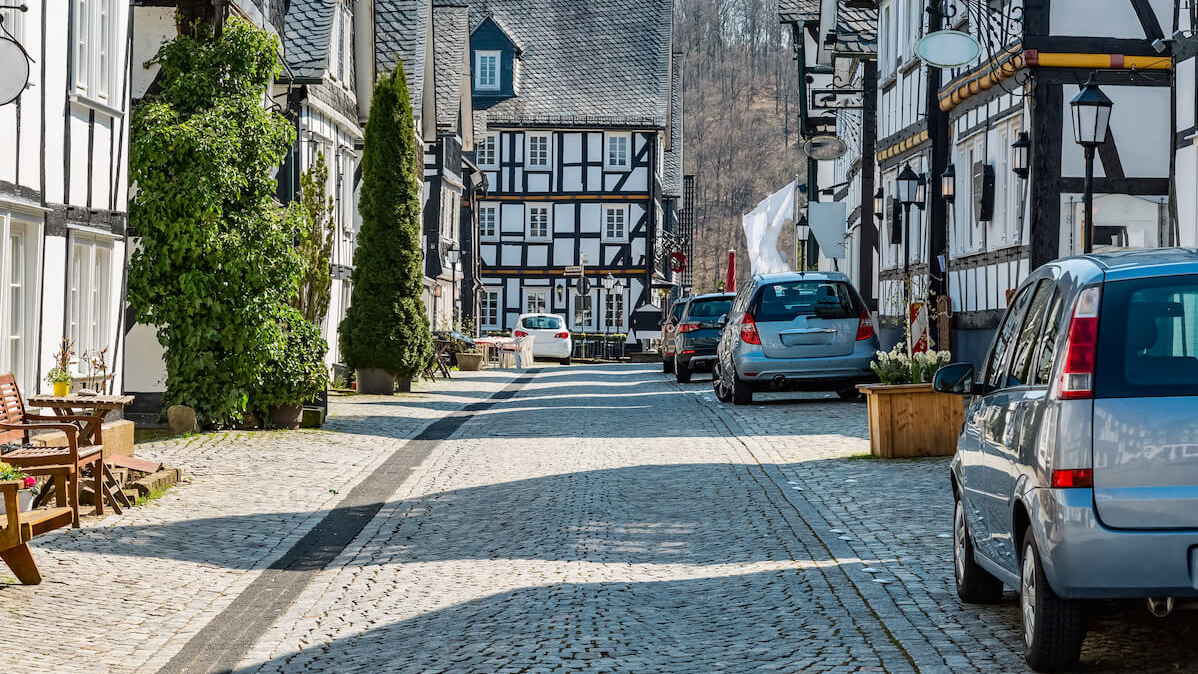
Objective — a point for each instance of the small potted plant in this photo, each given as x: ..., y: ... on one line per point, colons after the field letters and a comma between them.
x: 59, y: 376
x: 28, y: 490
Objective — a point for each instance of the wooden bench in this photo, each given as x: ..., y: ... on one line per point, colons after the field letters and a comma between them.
x: 17, y: 528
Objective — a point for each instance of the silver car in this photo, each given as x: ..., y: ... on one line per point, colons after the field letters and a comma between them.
x: 797, y: 331
x: 1076, y: 473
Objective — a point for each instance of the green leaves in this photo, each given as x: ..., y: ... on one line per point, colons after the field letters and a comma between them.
x: 216, y: 266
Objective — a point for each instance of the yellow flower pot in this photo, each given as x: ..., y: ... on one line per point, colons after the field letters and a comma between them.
x: 62, y: 388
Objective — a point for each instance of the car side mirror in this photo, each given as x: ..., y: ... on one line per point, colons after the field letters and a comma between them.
x: 723, y: 320
x: 955, y: 378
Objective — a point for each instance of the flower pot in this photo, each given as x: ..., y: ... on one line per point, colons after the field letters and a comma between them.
x: 470, y: 362
x: 286, y: 416
x: 62, y: 388
x: 373, y: 381
x: 24, y: 501
x: 911, y: 420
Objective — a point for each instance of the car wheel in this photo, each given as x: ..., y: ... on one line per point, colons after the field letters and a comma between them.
x: 722, y: 393
x: 1052, y: 626
x: 667, y: 364
x: 742, y: 392
x: 975, y: 585
x: 682, y: 371
x: 566, y: 360
x: 850, y: 394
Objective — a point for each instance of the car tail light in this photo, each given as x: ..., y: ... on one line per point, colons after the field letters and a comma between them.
x: 865, y: 329
x: 688, y: 327
x: 1077, y: 377
x: 748, y: 330
x: 521, y: 333
x: 1073, y: 478
x: 562, y: 335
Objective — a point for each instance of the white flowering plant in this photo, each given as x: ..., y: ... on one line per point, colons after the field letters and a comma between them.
x: 899, y: 367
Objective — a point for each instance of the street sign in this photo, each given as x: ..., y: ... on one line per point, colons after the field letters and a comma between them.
x: 583, y: 286
x: 574, y: 272
x: 837, y: 99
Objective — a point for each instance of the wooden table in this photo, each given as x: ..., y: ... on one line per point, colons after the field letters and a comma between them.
x: 96, y: 407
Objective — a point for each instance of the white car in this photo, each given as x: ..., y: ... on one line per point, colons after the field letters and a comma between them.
x: 551, y: 337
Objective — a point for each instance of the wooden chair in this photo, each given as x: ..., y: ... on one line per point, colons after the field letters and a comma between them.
x: 17, y: 529
x: 85, y: 446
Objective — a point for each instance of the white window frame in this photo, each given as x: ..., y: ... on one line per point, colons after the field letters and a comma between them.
x: 543, y: 155
x: 613, y: 306
x: 610, y: 165
x: 622, y: 212
x: 483, y: 233
x: 543, y: 294
x: 529, y: 212
x: 89, y: 296
x: 488, y: 151
x: 496, y: 75
x: 589, y: 323
x: 25, y: 283
x: 490, y: 315
x: 95, y: 49
x: 14, y: 23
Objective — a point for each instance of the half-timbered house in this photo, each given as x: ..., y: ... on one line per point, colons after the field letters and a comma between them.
x: 64, y: 187
x: 577, y: 115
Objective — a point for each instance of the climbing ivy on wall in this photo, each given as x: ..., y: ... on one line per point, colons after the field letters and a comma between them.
x: 217, y: 266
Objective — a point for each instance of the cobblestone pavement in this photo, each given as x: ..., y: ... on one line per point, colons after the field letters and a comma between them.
x: 603, y: 519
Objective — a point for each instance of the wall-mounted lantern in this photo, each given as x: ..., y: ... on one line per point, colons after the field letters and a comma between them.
x: 1020, y: 159
x: 948, y: 184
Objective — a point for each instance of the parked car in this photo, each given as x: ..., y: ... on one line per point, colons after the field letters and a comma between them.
x: 796, y: 331
x: 1076, y: 473
x: 669, y: 332
x: 698, y: 332
x: 551, y: 337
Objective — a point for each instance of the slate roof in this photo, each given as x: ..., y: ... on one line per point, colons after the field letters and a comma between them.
x: 401, y: 31
x: 856, y: 31
x: 306, y: 36
x: 450, y: 44
x: 798, y: 10
x: 672, y: 178
x: 586, y: 62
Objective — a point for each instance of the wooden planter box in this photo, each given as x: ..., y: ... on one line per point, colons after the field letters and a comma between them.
x: 912, y: 420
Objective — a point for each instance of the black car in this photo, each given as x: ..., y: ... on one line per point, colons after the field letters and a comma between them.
x: 698, y: 333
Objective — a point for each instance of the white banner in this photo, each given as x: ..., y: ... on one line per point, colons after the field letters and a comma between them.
x: 762, y: 227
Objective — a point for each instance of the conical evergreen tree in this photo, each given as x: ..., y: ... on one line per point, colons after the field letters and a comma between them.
x: 386, y: 326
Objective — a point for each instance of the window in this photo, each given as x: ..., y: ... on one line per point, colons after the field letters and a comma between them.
x: 14, y: 23
x: 95, y: 46
x: 1049, y: 343
x: 542, y: 323
x: 17, y: 304
x: 1029, y: 336
x: 1148, y: 338
x: 614, y: 310
x: 617, y: 153
x: 786, y: 301
x: 996, y: 364
x: 488, y: 151
x: 486, y: 70
x: 538, y: 222
x: 488, y: 222
x: 90, y: 278
x: 538, y: 151
x: 536, y: 301
x: 615, y: 220
x: 489, y: 308
x: 584, y: 314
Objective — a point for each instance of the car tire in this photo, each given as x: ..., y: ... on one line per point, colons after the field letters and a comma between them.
x: 682, y: 371
x: 1053, y: 627
x: 849, y: 394
x: 741, y: 391
x: 722, y: 393
x: 975, y: 585
x: 667, y: 365
x: 566, y: 361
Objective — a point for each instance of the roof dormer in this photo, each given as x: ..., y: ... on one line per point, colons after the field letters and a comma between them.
x: 495, y: 55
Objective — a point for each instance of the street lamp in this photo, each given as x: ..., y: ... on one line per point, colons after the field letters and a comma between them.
x: 1091, y: 121
x: 1019, y: 162
x: 879, y: 204
x: 948, y: 184
x: 921, y: 192
x: 908, y: 192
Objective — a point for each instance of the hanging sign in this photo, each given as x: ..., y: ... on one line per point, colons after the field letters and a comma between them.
x: 677, y: 262
x: 14, y: 70
x: 825, y: 148
x: 948, y: 49
x: 583, y: 286
x: 837, y: 99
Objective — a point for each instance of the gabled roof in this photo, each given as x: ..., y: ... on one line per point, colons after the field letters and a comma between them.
x: 856, y: 31
x: 401, y: 29
x: 450, y: 44
x: 800, y: 11
x: 478, y: 20
x: 594, y: 62
x: 306, y: 35
x: 672, y: 160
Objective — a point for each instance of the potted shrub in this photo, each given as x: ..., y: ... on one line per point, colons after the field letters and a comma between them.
x: 28, y: 490
x: 907, y: 417
x: 296, y: 372
x: 59, y: 376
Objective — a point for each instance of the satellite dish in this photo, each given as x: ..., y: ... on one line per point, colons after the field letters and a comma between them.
x: 948, y: 49
x: 825, y: 148
x: 14, y: 70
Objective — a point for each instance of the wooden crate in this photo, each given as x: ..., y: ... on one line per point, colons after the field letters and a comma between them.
x: 912, y: 420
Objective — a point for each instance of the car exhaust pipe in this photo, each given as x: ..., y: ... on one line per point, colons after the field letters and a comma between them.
x: 778, y: 381
x: 1160, y: 607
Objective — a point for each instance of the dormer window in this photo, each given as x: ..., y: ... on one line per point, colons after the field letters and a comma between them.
x: 486, y: 71
x: 616, y: 157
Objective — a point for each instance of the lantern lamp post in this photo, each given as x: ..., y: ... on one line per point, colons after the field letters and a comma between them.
x: 948, y: 184
x: 1091, y: 122
x: 908, y: 193
x: 1020, y: 160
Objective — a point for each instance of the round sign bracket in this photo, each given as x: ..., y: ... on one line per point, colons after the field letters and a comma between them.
x: 825, y: 148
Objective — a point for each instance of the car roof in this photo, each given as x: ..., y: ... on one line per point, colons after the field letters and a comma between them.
x: 1140, y: 263
x: 713, y: 296
x: 561, y: 316
x: 801, y: 276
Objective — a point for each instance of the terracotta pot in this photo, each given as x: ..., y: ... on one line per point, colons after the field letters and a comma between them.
x: 62, y: 388
x: 373, y: 381
x: 470, y: 362
x: 286, y: 416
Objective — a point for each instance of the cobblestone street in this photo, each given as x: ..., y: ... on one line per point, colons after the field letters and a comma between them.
x: 586, y: 518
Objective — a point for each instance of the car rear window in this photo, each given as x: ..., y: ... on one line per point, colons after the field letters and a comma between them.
x: 788, y: 300
x: 1148, y: 338
x: 709, y: 308
x: 543, y: 323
